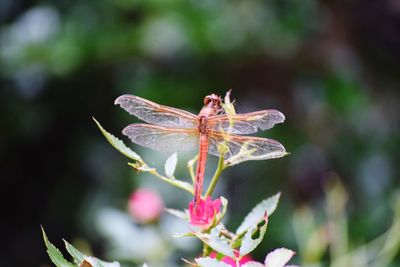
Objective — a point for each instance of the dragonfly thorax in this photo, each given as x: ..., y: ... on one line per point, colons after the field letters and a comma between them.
x: 203, y: 127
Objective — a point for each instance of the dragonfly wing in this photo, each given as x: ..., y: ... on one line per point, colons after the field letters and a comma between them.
x: 243, y: 148
x: 246, y: 123
x: 162, y: 138
x: 157, y: 114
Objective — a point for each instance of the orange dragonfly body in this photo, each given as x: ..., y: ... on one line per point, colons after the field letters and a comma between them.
x: 173, y: 129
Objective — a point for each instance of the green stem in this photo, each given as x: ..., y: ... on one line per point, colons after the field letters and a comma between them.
x: 206, y: 250
x: 173, y: 182
x: 217, y: 174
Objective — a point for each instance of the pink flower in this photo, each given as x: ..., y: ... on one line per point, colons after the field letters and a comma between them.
x: 203, y: 215
x: 145, y: 205
x: 231, y: 261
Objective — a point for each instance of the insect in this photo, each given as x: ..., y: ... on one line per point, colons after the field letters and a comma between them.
x: 173, y: 129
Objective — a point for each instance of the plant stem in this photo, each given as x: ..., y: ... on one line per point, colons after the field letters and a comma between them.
x: 217, y: 174
x: 206, y: 250
x: 173, y: 182
x: 143, y: 167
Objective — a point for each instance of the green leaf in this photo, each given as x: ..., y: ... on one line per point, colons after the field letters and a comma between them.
x: 94, y: 262
x: 170, y: 165
x: 253, y: 264
x: 257, y: 213
x: 248, y: 243
x: 178, y: 213
x: 118, y: 144
x: 55, y: 255
x: 76, y: 254
x: 210, y: 262
x: 215, y: 242
x: 80, y: 258
x: 279, y: 257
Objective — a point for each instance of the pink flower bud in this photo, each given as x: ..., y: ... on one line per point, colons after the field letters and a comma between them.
x: 203, y: 215
x: 231, y: 261
x: 145, y: 205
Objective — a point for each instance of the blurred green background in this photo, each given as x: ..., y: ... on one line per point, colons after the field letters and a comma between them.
x: 332, y: 67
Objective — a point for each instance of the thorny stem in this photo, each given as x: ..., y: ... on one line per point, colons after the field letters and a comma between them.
x: 221, y: 166
x: 171, y: 182
x: 143, y: 167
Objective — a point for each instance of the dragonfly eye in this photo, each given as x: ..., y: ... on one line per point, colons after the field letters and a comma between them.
x: 214, y: 100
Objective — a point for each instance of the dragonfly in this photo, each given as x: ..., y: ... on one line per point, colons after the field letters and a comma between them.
x: 172, y: 129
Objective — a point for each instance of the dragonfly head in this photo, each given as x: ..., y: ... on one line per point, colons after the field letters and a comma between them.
x: 213, y: 101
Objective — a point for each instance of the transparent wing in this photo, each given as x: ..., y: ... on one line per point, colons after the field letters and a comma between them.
x: 246, y: 123
x: 157, y: 114
x: 162, y: 138
x: 243, y: 148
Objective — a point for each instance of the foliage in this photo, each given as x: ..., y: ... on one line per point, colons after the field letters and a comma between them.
x: 79, y: 258
x: 330, y: 237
